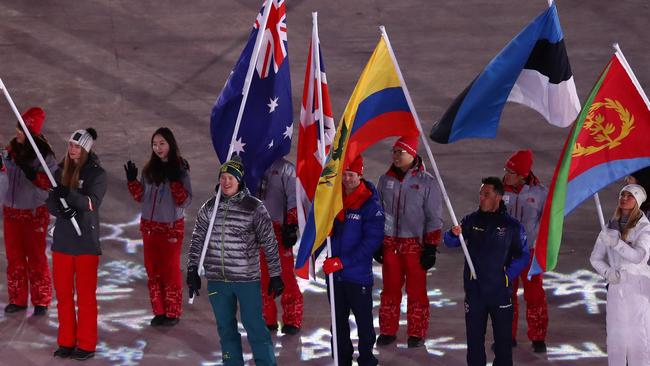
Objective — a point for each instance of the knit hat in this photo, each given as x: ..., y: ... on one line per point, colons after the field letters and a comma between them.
x: 637, y: 191
x: 356, y: 165
x: 34, y: 118
x: 234, y: 167
x: 84, y: 138
x: 409, y: 144
x: 521, y: 162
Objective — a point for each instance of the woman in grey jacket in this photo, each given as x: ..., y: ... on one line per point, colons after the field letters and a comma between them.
x: 75, y: 258
x: 164, y: 192
x: 232, y: 265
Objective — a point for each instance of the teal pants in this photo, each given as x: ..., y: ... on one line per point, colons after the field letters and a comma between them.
x: 224, y: 297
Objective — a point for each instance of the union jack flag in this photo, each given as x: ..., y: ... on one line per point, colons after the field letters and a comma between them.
x: 273, y: 48
x: 266, y: 125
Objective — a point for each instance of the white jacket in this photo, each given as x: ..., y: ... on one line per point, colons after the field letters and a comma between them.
x: 624, y: 266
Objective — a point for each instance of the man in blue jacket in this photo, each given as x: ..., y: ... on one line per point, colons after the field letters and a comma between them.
x: 498, y: 248
x: 357, y: 233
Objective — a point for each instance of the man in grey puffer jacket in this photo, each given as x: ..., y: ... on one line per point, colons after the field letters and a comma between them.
x: 242, y: 225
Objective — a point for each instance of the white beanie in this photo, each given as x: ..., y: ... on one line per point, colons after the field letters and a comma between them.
x: 84, y: 138
x: 637, y: 191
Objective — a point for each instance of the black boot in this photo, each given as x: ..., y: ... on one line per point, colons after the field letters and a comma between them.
x: 40, y: 310
x: 170, y: 322
x: 13, y: 308
x: 63, y: 352
x: 157, y: 320
x: 272, y: 327
x: 539, y: 346
x: 290, y: 329
x: 414, y: 342
x: 384, y: 340
x: 81, y: 355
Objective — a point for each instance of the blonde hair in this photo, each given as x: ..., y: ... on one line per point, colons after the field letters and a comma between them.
x: 70, y: 176
x: 635, y: 216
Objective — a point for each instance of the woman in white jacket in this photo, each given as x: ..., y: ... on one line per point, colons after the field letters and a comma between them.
x: 621, y: 255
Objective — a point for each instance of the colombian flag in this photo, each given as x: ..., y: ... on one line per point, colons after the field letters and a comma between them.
x: 608, y: 141
x: 376, y: 110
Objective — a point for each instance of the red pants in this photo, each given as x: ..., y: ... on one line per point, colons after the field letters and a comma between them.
x: 402, y: 264
x: 27, y: 268
x: 76, y: 272
x: 536, y: 307
x: 291, y: 298
x: 162, y: 253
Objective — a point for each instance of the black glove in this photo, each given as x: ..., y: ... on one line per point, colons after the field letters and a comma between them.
x: 67, y: 212
x: 289, y: 235
x: 29, y: 171
x: 379, y: 255
x: 131, y: 171
x: 428, y: 257
x: 173, y: 175
x: 193, y: 280
x: 61, y: 191
x: 276, y: 286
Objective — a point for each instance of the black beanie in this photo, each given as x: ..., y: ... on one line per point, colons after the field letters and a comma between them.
x: 234, y: 167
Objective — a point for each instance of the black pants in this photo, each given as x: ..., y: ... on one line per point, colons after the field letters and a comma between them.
x: 357, y: 298
x: 477, y: 309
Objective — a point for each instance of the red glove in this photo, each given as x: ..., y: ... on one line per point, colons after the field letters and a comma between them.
x: 332, y: 265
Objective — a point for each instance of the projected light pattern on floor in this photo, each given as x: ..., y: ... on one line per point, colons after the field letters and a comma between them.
x: 587, y: 285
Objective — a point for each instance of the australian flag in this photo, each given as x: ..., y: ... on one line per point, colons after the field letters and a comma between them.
x: 266, y: 127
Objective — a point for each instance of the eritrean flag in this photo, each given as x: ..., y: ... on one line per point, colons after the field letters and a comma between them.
x: 610, y: 139
x: 376, y: 110
x: 533, y: 70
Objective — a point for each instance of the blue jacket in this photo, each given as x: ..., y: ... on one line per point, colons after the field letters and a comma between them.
x: 356, y: 239
x: 499, y: 250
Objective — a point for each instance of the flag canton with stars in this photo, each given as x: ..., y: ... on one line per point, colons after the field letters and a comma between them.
x: 267, y: 123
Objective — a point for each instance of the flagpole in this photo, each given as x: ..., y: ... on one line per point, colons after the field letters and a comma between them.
x: 628, y: 68
x: 599, y: 209
x: 28, y: 134
x: 246, y: 88
x: 428, y: 149
x: 321, y: 151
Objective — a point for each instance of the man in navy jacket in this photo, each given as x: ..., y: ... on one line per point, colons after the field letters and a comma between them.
x: 498, y: 248
x: 357, y: 233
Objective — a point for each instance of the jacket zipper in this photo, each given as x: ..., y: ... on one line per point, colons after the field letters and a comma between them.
x: 153, y: 208
x: 223, y: 236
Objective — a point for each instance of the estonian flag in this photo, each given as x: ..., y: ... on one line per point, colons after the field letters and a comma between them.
x: 533, y: 69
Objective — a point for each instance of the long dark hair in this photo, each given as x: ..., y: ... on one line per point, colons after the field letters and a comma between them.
x: 154, y: 170
x: 24, y: 154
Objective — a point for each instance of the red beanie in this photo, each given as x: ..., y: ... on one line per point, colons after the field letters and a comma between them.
x: 34, y: 118
x: 409, y: 144
x: 521, y: 162
x: 356, y: 165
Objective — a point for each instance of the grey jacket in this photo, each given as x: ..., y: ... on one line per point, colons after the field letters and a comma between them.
x: 86, y: 200
x: 22, y: 193
x: 278, y: 189
x: 241, y: 227
x: 158, y: 202
x: 413, y: 206
x: 527, y: 206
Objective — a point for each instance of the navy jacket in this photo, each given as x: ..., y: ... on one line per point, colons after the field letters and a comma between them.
x: 356, y: 239
x: 499, y: 250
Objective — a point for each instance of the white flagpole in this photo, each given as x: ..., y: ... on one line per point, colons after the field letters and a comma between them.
x: 246, y: 88
x: 599, y: 209
x: 321, y: 150
x: 28, y: 134
x: 627, y: 67
x: 428, y: 149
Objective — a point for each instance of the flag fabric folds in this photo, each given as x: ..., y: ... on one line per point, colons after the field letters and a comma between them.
x: 267, y: 123
x: 608, y: 141
x: 377, y: 109
x: 533, y: 69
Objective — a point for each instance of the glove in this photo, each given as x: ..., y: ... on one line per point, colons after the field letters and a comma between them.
x: 61, y: 191
x: 289, y: 235
x: 612, y: 237
x: 131, y: 171
x: 612, y: 276
x: 332, y: 265
x: 173, y: 175
x: 428, y: 257
x: 67, y: 212
x: 193, y: 280
x: 379, y: 255
x: 276, y: 286
x: 29, y: 172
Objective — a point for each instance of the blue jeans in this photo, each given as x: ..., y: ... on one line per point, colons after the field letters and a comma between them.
x: 224, y: 297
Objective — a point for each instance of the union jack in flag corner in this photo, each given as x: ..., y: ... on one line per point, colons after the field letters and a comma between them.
x: 266, y: 127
